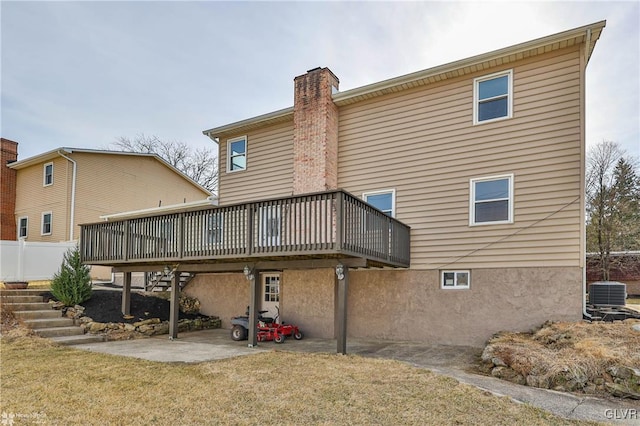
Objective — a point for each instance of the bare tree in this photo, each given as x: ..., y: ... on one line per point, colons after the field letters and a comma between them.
x: 199, y: 164
x: 612, y: 203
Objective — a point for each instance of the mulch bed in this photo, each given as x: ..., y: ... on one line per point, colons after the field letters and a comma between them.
x: 105, y: 306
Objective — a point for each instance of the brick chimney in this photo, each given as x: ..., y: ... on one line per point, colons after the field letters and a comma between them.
x: 8, y: 154
x: 315, y: 132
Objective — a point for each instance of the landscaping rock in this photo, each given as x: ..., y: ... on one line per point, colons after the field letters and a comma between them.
x: 507, y: 373
x: 162, y: 328
x: 147, y: 322
x: 624, y: 373
x: 622, y: 391
x: 97, y: 327
x: 636, y: 327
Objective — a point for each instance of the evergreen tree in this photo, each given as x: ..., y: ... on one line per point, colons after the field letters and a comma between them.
x: 626, y: 200
x: 613, y: 194
x: 72, y: 283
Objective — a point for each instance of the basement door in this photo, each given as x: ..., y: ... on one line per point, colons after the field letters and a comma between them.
x: 270, y: 297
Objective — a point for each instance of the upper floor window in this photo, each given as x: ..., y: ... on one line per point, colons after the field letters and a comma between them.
x: 48, y: 174
x: 382, y: 200
x: 491, y: 200
x: 492, y: 97
x: 46, y: 223
x: 237, y: 154
x: 23, y: 229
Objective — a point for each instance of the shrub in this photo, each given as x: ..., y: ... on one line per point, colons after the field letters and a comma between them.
x: 72, y: 284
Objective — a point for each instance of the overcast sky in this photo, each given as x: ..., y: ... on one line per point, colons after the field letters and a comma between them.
x: 80, y: 74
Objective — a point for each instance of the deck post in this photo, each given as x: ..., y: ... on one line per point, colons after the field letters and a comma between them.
x: 342, y: 275
x: 174, y: 305
x: 126, y: 293
x: 254, y: 297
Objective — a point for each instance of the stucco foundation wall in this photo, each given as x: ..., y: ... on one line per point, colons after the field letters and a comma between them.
x: 307, y: 300
x: 223, y: 295
x: 410, y: 305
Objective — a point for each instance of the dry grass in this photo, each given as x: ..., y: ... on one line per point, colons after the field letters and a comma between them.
x: 68, y: 386
x: 581, y: 351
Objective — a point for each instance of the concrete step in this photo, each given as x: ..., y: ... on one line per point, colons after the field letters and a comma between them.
x: 22, y: 299
x: 26, y: 306
x: 80, y: 339
x: 48, y: 323
x: 25, y: 292
x: 44, y: 314
x: 58, y: 331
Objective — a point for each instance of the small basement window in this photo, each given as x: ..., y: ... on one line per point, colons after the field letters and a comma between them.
x: 455, y: 279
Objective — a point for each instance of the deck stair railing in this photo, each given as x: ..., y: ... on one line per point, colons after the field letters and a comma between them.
x: 161, y: 280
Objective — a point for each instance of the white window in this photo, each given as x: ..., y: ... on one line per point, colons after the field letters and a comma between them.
x: 382, y: 200
x: 272, y: 288
x: 491, y: 200
x: 455, y: 279
x: 48, y: 174
x: 493, y: 97
x: 214, y: 228
x: 23, y: 229
x: 270, y: 225
x: 47, y: 219
x: 237, y: 154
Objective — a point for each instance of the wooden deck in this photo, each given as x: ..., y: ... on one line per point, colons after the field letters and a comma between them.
x: 326, y: 225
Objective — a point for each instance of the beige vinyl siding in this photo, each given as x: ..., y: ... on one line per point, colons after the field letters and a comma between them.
x: 423, y: 143
x: 269, y: 170
x: 106, y: 183
x: 33, y: 199
x: 110, y: 183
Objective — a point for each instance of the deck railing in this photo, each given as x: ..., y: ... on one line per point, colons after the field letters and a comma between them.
x: 312, y: 225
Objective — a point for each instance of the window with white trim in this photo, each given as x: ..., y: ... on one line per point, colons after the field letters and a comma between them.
x: 493, y: 97
x: 272, y: 288
x: 47, y: 219
x: 47, y: 174
x: 382, y: 200
x: 455, y: 279
x: 23, y: 227
x: 214, y: 228
x: 237, y: 154
x: 491, y: 200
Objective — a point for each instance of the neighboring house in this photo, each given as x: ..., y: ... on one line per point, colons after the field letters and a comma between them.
x: 8, y: 154
x: 476, y: 169
x: 60, y: 189
x: 624, y: 267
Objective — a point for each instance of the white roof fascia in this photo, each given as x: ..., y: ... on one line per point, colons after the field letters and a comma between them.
x: 153, y: 211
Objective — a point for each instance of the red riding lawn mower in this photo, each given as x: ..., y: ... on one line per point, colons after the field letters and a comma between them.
x: 268, y: 328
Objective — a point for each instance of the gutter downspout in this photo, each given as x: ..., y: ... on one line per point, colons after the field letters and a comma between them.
x: 73, y: 195
x: 585, y: 314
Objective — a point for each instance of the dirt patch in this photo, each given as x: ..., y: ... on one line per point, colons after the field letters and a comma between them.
x: 105, y: 306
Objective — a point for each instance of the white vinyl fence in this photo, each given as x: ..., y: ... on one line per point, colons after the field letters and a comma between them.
x: 31, y: 261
